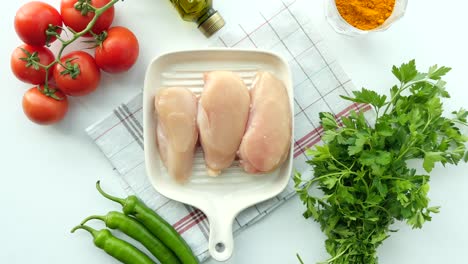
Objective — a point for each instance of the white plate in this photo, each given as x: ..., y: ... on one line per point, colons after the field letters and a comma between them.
x: 221, y: 198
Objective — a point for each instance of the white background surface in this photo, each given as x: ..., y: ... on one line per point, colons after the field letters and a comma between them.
x: 48, y: 173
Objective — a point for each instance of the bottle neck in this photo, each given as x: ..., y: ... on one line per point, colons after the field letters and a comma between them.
x: 205, y: 16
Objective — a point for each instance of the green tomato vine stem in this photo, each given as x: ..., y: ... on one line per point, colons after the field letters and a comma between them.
x: 97, y: 13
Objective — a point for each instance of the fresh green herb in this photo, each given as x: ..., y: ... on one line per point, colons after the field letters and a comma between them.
x: 362, y: 168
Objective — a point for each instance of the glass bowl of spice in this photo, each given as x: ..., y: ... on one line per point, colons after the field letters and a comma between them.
x: 360, y: 17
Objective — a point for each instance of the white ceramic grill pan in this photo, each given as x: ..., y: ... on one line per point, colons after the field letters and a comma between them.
x: 220, y: 198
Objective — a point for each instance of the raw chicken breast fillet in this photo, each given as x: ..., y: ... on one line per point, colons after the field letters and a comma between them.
x: 222, y: 117
x: 267, y: 140
x: 177, y: 132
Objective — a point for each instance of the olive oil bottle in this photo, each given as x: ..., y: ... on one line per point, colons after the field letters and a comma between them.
x: 209, y: 21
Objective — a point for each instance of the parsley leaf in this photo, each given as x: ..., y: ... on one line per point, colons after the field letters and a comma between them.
x: 461, y: 115
x: 358, y: 146
x: 328, y: 121
x: 430, y: 158
x: 436, y: 73
x: 406, y: 72
x: 368, y: 97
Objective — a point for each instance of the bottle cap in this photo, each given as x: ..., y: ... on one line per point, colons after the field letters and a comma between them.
x: 212, y: 24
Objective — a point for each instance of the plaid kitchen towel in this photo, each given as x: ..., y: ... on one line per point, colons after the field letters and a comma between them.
x: 318, y: 83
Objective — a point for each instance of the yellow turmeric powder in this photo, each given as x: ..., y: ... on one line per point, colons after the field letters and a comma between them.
x: 365, y: 14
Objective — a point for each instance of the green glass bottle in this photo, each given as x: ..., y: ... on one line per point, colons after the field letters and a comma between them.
x: 209, y: 21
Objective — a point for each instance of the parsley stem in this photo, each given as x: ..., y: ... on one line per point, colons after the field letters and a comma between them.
x: 403, y: 87
x: 341, y: 164
x: 384, y: 209
x: 460, y: 122
x: 429, y: 120
x: 342, y: 173
x: 299, y: 258
x: 393, y: 99
x: 413, y: 141
x: 366, y: 186
x: 337, y: 256
x: 403, y: 154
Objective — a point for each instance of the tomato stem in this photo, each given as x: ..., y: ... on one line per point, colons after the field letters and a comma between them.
x: 100, y: 38
x: 94, y: 34
x: 41, y: 65
x: 71, y: 30
x: 46, y: 84
x: 85, y: 7
x: 60, y: 39
x: 97, y: 13
x: 62, y: 64
x: 51, y: 32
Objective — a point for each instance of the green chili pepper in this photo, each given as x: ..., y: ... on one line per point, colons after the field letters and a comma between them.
x: 155, y: 224
x: 117, y: 248
x: 135, y: 230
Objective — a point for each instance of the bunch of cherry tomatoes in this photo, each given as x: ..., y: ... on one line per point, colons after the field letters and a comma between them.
x: 77, y: 73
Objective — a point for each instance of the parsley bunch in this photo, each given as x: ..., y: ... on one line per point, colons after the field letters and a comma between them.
x: 362, y: 168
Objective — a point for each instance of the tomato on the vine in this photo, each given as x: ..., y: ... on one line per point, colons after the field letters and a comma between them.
x: 82, y: 75
x: 78, y: 22
x: 24, y: 63
x: 118, y: 51
x: 45, y: 106
x: 32, y: 22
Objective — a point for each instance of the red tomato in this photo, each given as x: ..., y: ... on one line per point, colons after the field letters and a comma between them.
x: 41, y: 108
x: 32, y: 21
x: 118, y: 52
x: 74, y: 19
x: 81, y: 81
x: 26, y: 71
